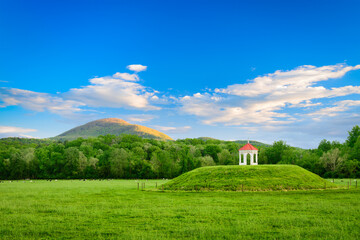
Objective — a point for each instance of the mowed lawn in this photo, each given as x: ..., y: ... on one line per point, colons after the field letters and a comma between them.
x: 115, y: 209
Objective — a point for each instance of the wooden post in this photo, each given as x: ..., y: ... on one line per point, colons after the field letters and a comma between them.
x: 138, y: 186
x: 156, y: 185
x: 163, y: 187
x: 348, y: 185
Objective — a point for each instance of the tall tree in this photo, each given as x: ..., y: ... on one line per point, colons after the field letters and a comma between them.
x: 353, y: 136
x: 118, y: 160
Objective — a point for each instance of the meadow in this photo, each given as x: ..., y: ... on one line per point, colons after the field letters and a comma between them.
x: 116, y: 209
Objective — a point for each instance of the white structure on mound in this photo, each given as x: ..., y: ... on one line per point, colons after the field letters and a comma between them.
x: 252, y: 151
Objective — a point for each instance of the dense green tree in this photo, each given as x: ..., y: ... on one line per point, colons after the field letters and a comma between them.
x: 212, y: 150
x: 118, y: 160
x: 73, y: 162
x: 225, y: 158
x: 331, y: 160
x: 275, y: 152
x: 18, y: 166
x: 324, y: 146
x: 353, y: 136
x: 206, y: 161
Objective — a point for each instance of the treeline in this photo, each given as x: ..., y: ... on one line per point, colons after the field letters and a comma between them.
x: 130, y: 157
x: 329, y: 160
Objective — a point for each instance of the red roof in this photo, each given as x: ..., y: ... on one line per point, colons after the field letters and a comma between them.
x: 248, y: 146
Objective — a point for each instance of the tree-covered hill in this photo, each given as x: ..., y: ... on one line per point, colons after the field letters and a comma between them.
x: 112, y: 126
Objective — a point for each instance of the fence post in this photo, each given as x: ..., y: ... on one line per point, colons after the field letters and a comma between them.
x: 138, y: 185
x: 162, y: 187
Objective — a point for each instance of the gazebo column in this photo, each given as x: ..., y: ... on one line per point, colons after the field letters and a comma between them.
x: 251, y: 158
x: 245, y: 158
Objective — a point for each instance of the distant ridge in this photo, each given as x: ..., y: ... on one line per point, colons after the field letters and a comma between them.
x: 236, y: 141
x: 252, y: 142
x: 114, y: 126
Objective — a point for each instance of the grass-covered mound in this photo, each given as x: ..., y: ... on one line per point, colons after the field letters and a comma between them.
x: 248, y: 178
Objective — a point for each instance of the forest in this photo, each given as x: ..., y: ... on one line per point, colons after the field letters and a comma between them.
x: 132, y: 157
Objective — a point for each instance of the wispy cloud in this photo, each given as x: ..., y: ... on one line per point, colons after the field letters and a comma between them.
x: 39, y: 102
x: 338, y: 107
x: 169, y: 129
x: 264, y: 100
x: 6, y: 131
x: 139, y: 117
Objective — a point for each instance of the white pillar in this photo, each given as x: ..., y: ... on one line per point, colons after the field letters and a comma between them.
x: 251, y: 159
x: 242, y: 158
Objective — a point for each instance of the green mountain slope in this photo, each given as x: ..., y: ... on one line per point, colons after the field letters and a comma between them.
x: 112, y: 126
x: 248, y: 178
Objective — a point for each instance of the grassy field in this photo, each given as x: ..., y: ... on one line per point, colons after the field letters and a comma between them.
x: 73, y: 209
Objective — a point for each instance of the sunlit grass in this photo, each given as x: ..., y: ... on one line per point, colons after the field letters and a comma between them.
x: 73, y: 209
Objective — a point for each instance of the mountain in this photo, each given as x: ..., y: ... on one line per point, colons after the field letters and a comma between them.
x: 112, y: 126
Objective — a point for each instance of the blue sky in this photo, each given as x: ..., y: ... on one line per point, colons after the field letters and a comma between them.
x: 263, y: 70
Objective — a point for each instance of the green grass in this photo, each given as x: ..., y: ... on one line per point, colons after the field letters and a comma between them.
x: 345, y: 182
x: 248, y: 178
x: 73, y: 209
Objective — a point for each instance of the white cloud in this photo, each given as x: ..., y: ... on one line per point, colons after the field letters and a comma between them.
x: 140, y: 117
x: 10, y: 131
x: 119, y: 92
x: 168, y: 129
x: 126, y: 76
x: 339, y: 107
x: 265, y: 99
x: 39, y: 101
x: 137, y: 67
x: 287, y: 82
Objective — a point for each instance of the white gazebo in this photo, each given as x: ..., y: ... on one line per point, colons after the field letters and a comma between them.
x: 244, y: 151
